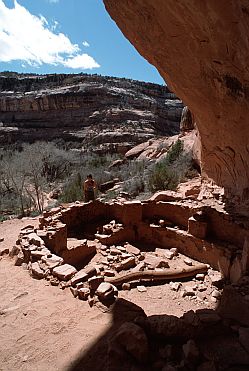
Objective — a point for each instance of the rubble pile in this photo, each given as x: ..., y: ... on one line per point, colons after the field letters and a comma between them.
x: 200, y: 340
x: 108, y: 264
x: 133, y: 242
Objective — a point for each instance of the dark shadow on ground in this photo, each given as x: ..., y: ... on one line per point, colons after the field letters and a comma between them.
x: 217, y: 335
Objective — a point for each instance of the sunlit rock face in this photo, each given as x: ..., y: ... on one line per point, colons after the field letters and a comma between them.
x: 201, y: 48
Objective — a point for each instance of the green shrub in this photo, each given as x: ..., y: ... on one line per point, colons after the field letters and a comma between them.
x: 165, y: 174
x: 3, y: 218
x: 162, y: 177
x: 174, y: 152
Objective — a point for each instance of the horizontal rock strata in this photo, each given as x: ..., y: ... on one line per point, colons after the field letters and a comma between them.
x: 80, y: 108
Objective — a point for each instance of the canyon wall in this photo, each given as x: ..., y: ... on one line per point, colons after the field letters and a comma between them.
x: 201, y: 48
x: 82, y: 107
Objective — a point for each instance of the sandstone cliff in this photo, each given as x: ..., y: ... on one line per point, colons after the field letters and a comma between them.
x: 201, y: 48
x: 80, y: 107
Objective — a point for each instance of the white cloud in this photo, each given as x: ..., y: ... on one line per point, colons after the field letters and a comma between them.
x: 53, y: 1
x: 83, y: 61
x: 85, y: 43
x: 29, y: 38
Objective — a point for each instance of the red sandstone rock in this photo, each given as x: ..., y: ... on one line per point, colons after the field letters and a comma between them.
x: 186, y: 123
x: 83, y: 293
x: 36, y: 271
x: 127, y: 264
x: 52, y: 260
x: 197, y: 228
x: 95, y: 281
x: 165, y: 253
x: 33, y: 238
x: 83, y: 275
x: 14, y: 251
x: 105, y: 291
x: 19, y: 258
x: 132, y: 249
x: 38, y: 254
x: 134, y: 152
x: 77, y: 251
x: 3, y: 250
x: 208, y: 39
x: 155, y: 262
x: 64, y: 272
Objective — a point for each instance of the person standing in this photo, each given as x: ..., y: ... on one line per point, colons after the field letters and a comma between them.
x: 89, y: 188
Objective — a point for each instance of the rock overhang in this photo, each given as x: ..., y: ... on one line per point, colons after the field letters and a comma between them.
x: 201, y: 50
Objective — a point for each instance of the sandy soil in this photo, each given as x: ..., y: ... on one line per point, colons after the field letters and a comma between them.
x: 45, y: 328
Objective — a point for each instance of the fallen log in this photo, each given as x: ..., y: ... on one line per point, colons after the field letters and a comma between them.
x: 166, y: 274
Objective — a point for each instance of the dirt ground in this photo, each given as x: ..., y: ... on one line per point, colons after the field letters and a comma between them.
x: 45, y: 328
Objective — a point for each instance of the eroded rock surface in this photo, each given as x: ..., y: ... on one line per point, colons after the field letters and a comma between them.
x: 112, y: 114
x: 201, y: 49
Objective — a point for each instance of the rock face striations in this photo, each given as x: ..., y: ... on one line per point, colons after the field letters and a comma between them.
x: 201, y: 48
x: 65, y: 106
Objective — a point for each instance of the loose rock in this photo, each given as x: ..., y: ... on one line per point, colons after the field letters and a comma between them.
x: 80, y: 276
x: 175, y: 285
x: 19, y: 259
x: 141, y: 288
x: 126, y: 286
x: 132, y: 249
x: 83, y: 293
x: 188, y: 261
x: 127, y: 264
x: 64, y: 272
x: 36, y: 271
x: 95, y: 281
x: 105, y: 291
x: 200, y: 276
x: 14, y: 251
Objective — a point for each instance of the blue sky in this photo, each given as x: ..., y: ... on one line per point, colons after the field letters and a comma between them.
x: 67, y: 36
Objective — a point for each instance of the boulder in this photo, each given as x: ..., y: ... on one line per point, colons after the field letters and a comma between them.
x: 64, y: 272
x: 83, y: 275
x: 132, y: 249
x: 83, y: 293
x: 14, y: 251
x: 3, y: 249
x: 95, y: 281
x: 105, y: 291
x: 19, y: 258
x: 36, y: 271
x: 186, y: 123
x: 52, y: 260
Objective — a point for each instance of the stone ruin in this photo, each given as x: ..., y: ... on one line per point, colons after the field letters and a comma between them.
x: 119, y: 242
x: 97, y: 249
